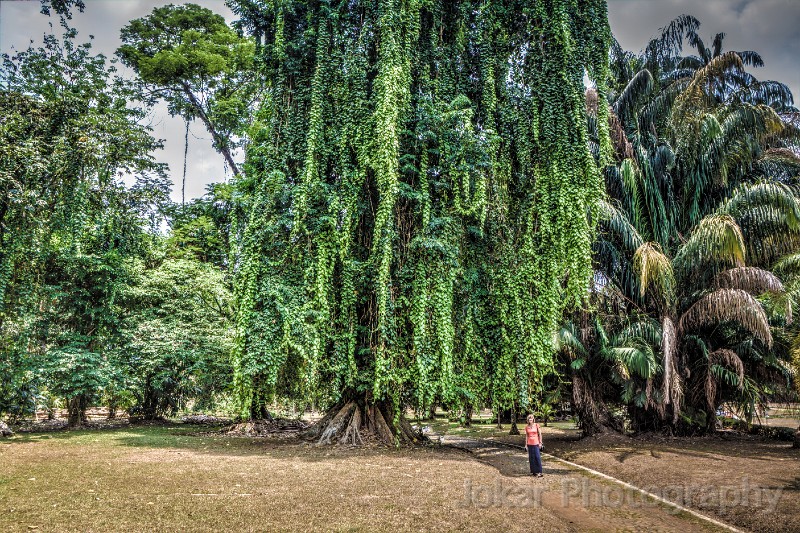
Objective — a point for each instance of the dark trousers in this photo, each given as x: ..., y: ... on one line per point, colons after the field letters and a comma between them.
x: 535, y: 458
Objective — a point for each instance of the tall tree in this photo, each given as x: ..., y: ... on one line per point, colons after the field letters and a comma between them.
x: 422, y: 203
x: 189, y: 57
x: 698, y: 194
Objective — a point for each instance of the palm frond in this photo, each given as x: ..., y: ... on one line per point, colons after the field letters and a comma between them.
x: 698, y: 44
x: 660, y: 107
x: 787, y: 266
x: 766, y: 193
x: 717, y: 44
x: 729, y: 358
x: 632, y: 191
x: 635, y: 91
x: 765, y: 250
x: 618, y: 224
x: 728, y: 305
x: 645, y: 329
x: 654, y: 208
x: 717, y: 240
x: 639, y: 360
x: 670, y: 41
x: 654, y: 269
x: 751, y: 59
x: 567, y: 341
x: 767, y: 92
x: 700, y: 95
x: 754, y: 280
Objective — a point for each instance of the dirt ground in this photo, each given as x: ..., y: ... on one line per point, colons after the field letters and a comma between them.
x: 176, y: 478
x: 743, y: 480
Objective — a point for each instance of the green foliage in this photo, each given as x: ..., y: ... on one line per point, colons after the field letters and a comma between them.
x: 76, y: 372
x: 66, y: 218
x: 201, y: 229
x: 175, y: 337
x: 422, y: 198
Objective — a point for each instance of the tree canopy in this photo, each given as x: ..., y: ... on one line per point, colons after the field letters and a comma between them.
x: 424, y: 197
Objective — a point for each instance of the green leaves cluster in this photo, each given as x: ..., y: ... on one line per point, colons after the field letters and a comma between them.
x: 423, y: 198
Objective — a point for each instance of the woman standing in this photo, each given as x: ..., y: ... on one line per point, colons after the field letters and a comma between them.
x: 533, y: 441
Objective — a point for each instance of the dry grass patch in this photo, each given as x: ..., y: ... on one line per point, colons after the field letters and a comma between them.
x: 160, y: 478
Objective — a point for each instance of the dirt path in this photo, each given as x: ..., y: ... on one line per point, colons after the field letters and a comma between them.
x: 586, y: 502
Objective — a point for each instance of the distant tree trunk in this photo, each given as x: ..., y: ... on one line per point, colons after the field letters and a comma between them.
x: 76, y: 409
x: 432, y: 413
x: 259, y: 409
x: 112, y: 409
x: 514, y: 429
x: 467, y: 416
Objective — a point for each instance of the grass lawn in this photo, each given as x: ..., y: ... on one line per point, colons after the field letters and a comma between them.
x: 167, y: 478
x: 179, y: 477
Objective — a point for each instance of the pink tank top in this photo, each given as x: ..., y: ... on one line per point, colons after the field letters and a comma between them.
x: 532, y: 434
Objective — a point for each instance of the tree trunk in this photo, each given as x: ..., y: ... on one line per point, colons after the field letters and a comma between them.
x: 355, y: 422
x: 219, y: 142
x: 467, y: 416
x: 591, y: 410
x: 432, y: 413
x: 514, y: 429
x: 76, y: 409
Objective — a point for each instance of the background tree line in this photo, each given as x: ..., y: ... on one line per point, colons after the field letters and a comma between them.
x: 111, y: 294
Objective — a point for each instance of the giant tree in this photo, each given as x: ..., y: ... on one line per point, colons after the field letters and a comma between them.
x: 423, y: 198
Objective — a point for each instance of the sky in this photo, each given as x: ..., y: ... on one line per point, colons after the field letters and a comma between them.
x: 770, y: 27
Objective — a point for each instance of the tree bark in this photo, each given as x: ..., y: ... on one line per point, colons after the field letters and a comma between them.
x: 467, y: 416
x: 514, y: 429
x: 219, y: 141
x: 76, y: 409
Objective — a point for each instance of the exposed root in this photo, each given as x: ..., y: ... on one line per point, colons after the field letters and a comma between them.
x: 337, y: 425
x: 378, y: 425
x: 352, y: 435
x: 354, y: 424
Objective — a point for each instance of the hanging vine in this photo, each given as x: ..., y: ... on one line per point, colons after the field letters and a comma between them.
x: 423, y: 198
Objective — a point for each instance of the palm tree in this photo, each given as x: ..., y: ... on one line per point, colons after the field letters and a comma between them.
x: 699, y: 308
x: 698, y: 211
